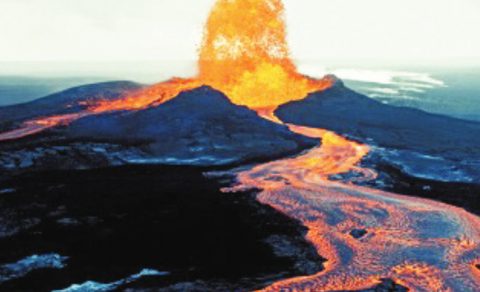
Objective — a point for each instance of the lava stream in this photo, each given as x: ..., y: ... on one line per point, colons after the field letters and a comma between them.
x: 151, y: 96
x: 38, y: 125
x: 421, y: 244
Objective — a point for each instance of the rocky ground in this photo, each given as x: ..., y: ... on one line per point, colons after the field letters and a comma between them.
x: 145, y: 228
x: 460, y: 194
x: 171, y: 223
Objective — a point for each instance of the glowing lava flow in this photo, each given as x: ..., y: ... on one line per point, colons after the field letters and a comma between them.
x: 150, y: 96
x: 41, y: 124
x: 421, y: 244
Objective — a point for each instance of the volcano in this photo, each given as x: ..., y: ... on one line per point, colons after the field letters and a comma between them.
x: 388, y: 126
x: 199, y: 127
x: 249, y: 175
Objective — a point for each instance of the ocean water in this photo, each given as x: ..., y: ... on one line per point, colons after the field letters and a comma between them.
x: 448, y: 91
x: 19, y: 89
x: 455, y: 93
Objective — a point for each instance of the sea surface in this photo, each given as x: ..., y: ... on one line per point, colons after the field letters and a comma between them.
x: 449, y: 91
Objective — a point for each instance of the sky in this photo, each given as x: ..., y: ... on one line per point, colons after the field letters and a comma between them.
x: 146, y: 30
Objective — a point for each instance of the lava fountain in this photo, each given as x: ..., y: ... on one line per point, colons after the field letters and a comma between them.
x: 244, y: 54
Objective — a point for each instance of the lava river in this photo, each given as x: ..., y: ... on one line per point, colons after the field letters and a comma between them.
x: 420, y: 244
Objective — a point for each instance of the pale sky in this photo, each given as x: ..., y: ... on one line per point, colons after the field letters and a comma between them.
x: 135, y: 30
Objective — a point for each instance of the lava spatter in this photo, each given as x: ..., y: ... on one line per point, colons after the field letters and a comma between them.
x: 245, y: 55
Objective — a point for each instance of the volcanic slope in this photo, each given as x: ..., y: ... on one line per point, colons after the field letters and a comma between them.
x: 421, y: 144
x: 198, y: 127
x: 346, y: 112
x: 68, y: 101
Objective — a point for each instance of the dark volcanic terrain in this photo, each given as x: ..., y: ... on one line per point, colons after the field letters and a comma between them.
x: 344, y: 111
x: 107, y: 225
x: 68, y: 101
x: 420, y: 144
x: 199, y: 127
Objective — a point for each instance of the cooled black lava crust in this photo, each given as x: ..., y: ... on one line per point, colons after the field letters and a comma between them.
x: 113, y: 222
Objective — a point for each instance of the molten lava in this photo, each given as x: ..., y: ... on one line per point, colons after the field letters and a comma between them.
x: 418, y: 243
x: 245, y: 55
x: 151, y: 96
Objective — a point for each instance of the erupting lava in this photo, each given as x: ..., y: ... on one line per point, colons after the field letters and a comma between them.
x: 421, y: 244
x: 245, y: 55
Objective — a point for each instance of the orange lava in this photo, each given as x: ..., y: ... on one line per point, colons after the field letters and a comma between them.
x: 421, y: 244
x: 336, y: 155
x: 151, y: 96
x: 245, y: 55
x: 41, y: 124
